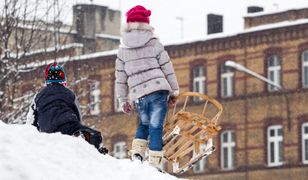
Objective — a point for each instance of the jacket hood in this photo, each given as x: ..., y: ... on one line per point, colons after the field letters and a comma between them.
x: 136, y: 35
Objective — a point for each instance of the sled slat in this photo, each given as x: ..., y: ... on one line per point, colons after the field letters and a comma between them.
x: 204, y: 108
x: 185, y: 131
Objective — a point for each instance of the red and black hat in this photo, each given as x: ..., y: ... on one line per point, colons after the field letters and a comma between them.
x: 54, y: 73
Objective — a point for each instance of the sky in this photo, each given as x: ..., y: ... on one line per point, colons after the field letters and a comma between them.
x: 165, y: 12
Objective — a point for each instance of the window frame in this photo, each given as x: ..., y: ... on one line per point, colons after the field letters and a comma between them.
x: 304, y: 137
x: 94, y: 99
x: 276, y: 139
x: 202, y: 162
x: 122, y: 153
x: 117, y: 106
x: 229, y: 145
x: 303, y: 65
x: 229, y: 75
x: 276, y: 69
x: 200, y: 79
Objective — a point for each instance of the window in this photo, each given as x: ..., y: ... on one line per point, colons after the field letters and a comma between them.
x: 227, y: 150
x: 305, y: 143
x: 274, y: 145
x: 199, y: 78
x: 305, y: 68
x: 200, y: 165
x: 119, y: 150
x: 273, y: 71
x: 226, y: 81
x: 95, y: 97
x: 117, y: 106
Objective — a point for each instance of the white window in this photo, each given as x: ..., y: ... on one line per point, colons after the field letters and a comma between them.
x: 305, y: 143
x: 227, y: 150
x: 305, y: 68
x: 95, y: 97
x: 199, y: 78
x: 274, y: 145
x: 119, y: 150
x: 226, y: 81
x: 117, y: 106
x: 200, y: 165
x: 273, y: 71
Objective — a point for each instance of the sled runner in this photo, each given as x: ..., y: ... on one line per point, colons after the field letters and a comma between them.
x: 186, y: 131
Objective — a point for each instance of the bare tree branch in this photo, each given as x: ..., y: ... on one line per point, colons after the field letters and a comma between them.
x: 25, y: 25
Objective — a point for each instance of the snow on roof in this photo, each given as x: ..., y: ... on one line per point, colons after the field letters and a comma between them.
x: 28, y: 154
x: 264, y: 13
x: 276, y: 25
x: 94, y: 2
x: 108, y: 36
x: 58, y: 47
x: 62, y: 29
x: 68, y: 59
x: 245, y: 31
x: 50, y: 49
x: 97, y: 54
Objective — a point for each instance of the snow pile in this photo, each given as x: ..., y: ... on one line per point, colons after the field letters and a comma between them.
x: 26, y: 154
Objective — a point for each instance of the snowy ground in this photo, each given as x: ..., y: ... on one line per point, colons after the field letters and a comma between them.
x: 26, y: 154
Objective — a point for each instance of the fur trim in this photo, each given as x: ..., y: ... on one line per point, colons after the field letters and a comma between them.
x: 137, y: 26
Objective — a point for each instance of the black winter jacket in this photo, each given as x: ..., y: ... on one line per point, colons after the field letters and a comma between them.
x: 57, y: 110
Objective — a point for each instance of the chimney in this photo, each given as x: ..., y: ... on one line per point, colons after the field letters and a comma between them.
x: 89, y: 20
x: 92, y: 20
x: 254, y: 9
x: 214, y: 23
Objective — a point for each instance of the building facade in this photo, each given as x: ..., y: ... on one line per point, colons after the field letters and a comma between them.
x: 264, y: 130
x: 96, y: 28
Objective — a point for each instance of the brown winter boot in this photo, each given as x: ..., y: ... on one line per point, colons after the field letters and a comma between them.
x: 138, y: 149
x: 156, y: 159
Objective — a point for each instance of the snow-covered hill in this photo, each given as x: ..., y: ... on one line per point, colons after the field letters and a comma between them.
x: 26, y: 154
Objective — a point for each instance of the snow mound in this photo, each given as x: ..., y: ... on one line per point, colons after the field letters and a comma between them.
x: 26, y: 154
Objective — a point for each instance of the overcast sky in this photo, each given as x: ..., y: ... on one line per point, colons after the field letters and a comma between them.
x: 164, y: 13
x: 168, y: 28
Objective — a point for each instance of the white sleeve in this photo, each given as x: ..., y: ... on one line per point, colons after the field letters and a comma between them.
x: 78, y: 108
x: 30, y: 115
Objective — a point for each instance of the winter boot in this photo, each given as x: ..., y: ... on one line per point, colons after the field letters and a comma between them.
x: 138, y: 149
x: 156, y: 159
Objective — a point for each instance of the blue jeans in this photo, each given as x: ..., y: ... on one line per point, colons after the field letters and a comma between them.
x: 152, y: 110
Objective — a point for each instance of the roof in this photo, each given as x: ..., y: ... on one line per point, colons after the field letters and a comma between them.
x: 245, y: 31
x: 108, y: 36
x: 265, y: 13
x: 69, y: 59
x: 210, y: 37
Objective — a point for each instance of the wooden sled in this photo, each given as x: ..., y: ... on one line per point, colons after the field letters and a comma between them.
x: 186, y: 131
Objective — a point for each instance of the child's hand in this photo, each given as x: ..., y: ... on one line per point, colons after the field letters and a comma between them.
x: 172, y: 100
x: 127, y: 108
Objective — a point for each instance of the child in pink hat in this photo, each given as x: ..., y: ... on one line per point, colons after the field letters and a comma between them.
x: 145, y: 77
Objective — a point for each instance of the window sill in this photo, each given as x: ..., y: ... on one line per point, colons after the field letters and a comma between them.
x: 275, y: 165
x: 227, y: 169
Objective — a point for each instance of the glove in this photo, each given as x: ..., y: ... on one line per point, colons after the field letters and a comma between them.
x: 126, y: 108
x: 172, y: 100
x: 92, y: 137
x: 102, y: 149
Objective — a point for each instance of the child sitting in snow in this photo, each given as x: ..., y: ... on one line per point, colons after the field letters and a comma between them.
x: 55, y: 108
x: 145, y: 76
